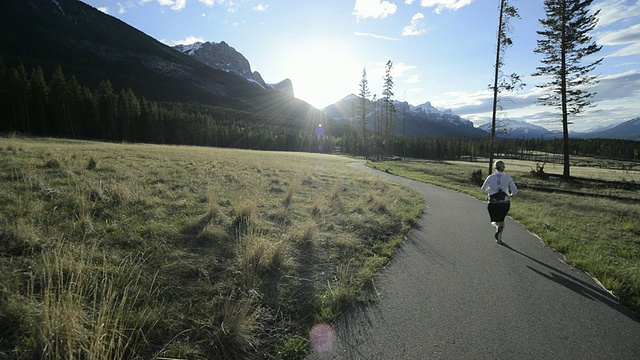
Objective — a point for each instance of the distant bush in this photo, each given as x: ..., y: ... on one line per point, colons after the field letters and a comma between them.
x: 476, y: 177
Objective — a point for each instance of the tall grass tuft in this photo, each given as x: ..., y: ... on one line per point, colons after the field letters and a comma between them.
x: 85, y: 311
x: 243, y: 214
x: 308, y: 232
x: 53, y: 162
x: 288, y: 196
x: 258, y: 257
x: 318, y: 207
x: 92, y: 164
x: 237, y: 334
x: 213, y: 209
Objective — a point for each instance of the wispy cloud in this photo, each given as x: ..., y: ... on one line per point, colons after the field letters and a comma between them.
x: 399, y: 69
x: 627, y: 51
x: 620, y: 37
x: 441, y: 5
x: 209, y: 3
x: 104, y: 9
x: 612, y: 11
x: 373, y: 9
x: 618, y: 86
x: 186, y: 41
x: 630, y: 35
x: 416, y: 27
x: 381, y: 37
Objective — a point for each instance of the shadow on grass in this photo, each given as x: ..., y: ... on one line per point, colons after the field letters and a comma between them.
x: 578, y: 286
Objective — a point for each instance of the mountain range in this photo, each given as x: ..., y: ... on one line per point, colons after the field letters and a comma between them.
x: 94, y: 46
x: 513, y: 129
x: 413, y: 121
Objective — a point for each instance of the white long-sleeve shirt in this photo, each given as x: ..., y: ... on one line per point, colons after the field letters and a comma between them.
x: 499, y: 181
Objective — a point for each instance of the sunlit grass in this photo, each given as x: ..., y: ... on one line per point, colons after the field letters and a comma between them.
x: 143, y: 251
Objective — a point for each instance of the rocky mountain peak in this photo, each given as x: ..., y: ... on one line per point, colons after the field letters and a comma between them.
x: 223, y: 57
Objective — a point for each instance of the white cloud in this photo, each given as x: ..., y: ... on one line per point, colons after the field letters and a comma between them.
x: 409, y: 2
x: 624, y: 85
x: 615, y: 101
x: 104, y: 9
x: 121, y: 9
x: 627, y: 51
x: 209, y: 3
x: 373, y: 9
x: 261, y: 7
x: 413, y: 79
x: 441, y: 5
x: 399, y: 69
x: 612, y: 11
x: 630, y: 35
x: 416, y: 27
x: 186, y: 41
x: 177, y: 5
x: 381, y: 37
x: 620, y: 37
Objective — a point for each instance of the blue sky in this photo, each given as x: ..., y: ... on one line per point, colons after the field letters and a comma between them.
x: 443, y: 50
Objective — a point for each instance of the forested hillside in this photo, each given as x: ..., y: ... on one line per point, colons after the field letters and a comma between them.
x: 62, y: 107
x: 58, y: 105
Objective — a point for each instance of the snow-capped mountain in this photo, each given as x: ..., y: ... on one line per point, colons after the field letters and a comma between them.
x: 223, y: 57
x: 514, y: 129
x: 426, y: 107
x: 414, y: 121
x: 628, y: 130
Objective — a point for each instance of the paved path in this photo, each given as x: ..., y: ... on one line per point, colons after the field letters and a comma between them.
x: 452, y: 293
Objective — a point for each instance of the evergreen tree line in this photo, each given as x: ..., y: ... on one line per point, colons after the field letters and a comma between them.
x: 59, y: 107
x: 472, y: 149
x: 62, y: 107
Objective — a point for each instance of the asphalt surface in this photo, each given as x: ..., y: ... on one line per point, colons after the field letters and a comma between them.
x: 451, y: 292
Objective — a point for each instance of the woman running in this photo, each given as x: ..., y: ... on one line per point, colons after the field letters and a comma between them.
x: 500, y: 187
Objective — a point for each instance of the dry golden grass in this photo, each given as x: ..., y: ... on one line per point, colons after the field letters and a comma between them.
x: 183, y: 252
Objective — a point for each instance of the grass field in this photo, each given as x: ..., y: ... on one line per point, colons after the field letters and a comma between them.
x: 593, y: 220
x: 118, y: 251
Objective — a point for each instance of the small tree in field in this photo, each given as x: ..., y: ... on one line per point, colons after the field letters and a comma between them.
x: 565, y: 44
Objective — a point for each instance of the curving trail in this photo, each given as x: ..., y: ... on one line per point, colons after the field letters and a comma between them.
x: 452, y: 293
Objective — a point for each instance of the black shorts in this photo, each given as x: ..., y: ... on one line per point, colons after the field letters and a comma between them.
x: 498, y: 210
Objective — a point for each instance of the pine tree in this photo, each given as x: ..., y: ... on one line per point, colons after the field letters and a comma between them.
x: 38, y: 101
x: 57, y: 106
x: 389, y: 107
x: 107, y: 102
x: 565, y: 43
x: 364, y: 96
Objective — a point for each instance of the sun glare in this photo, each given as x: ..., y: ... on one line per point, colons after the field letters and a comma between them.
x: 322, y: 73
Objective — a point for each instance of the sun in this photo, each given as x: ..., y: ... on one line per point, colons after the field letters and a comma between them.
x: 322, y: 73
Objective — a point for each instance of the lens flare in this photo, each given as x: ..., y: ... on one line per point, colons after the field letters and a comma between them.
x: 322, y: 338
